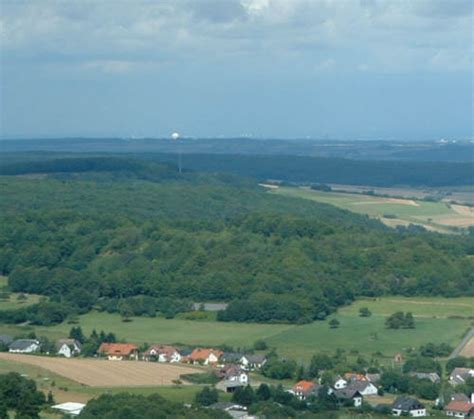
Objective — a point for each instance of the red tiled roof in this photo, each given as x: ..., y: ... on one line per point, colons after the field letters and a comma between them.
x: 355, y: 376
x: 458, y: 406
x: 162, y: 349
x: 303, y: 386
x: 120, y: 349
x: 200, y: 354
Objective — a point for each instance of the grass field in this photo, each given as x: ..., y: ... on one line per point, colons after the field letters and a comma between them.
x: 439, y: 216
x: 300, y: 342
x: 13, y: 302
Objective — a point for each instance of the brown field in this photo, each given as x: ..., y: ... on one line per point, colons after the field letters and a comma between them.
x: 468, y: 349
x: 102, y: 373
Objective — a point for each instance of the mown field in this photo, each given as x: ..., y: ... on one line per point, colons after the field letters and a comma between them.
x: 437, y: 320
x: 439, y: 216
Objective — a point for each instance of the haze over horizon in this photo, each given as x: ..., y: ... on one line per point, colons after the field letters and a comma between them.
x: 211, y: 68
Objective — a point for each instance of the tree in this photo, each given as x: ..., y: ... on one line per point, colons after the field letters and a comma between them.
x: 244, y: 396
x: 21, y: 395
x: 263, y: 392
x: 319, y: 362
x: 260, y: 345
x: 206, y: 396
x: 364, y: 312
x: 77, y: 334
x: 334, y: 323
x: 409, y: 322
x: 126, y: 311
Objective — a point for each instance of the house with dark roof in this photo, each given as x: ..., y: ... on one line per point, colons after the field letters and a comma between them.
x: 231, y: 357
x: 68, y: 347
x: 233, y: 372
x: 366, y: 388
x: 6, y: 340
x: 252, y: 361
x: 349, y: 394
x: 431, y: 376
x: 460, y: 375
x: 408, y: 406
x: 24, y: 346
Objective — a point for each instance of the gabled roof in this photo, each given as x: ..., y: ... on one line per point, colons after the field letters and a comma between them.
x: 119, y: 349
x: 355, y: 376
x: 68, y: 342
x: 231, y: 357
x: 460, y: 375
x: 459, y: 407
x: 347, y: 393
x: 373, y: 377
x: 162, y: 349
x: 254, y: 358
x: 432, y: 376
x: 22, y: 344
x: 303, y: 386
x: 227, y: 406
x: 359, y: 385
x: 407, y: 403
x: 200, y: 354
x: 459, y: 397
x: 6, y: 339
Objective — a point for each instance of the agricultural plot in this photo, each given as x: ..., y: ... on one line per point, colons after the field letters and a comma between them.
x: 102, y: 373
x: 437, y: 320
x: 468, y: 350
x: 440, y: 216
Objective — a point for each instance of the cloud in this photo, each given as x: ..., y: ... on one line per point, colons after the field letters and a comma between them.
x: 262, y: 30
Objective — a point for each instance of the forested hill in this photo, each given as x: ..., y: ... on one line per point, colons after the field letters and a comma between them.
x: 331, y: 170
x: 146, y: 240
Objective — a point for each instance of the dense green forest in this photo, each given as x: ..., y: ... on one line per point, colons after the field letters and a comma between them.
x: 135, y: 237
x: 289, y: 168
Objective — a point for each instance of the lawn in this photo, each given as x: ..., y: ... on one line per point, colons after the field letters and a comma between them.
x: 13, y: 302
x: 366, y: 335
x: 434, y: 214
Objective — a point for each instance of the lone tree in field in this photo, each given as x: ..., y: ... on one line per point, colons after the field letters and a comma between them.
x: 400, y: 320
x: 334, y: 324
x: 364, y: 312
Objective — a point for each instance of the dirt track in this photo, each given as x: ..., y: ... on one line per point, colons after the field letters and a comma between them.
x: 102, y: 373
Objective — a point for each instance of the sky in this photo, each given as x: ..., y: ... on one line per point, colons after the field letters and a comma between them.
x: 345, y: 69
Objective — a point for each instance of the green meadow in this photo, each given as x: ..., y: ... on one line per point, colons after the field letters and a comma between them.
x: 414, y: 211
x: 437, y: 320
x: 13, y: 302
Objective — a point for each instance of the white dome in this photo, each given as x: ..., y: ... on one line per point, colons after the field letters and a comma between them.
x: 174, y: 136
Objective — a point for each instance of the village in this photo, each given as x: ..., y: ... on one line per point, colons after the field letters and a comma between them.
x: 235, y: 371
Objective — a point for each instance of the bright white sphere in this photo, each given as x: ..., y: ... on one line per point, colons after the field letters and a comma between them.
x: 174, y: 136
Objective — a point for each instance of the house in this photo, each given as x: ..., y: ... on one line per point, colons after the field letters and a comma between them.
x: 5, y: 340
x: 366, y: 388
x: 228, y: 386
x: 68, y: 347
x: 353, y: 376
x: 460, y: 397
x: 204, y: 356
x: 303, y: 389
x: 431, y: 376
x: 234, y: 373
x: 118, y: 351
x: 231, y: 357
x: 373, y: 378
x: 339, y: 383
x: 24, y: 346
x: 162, y: 353
x: 460, y: 409
x: 252, y: 362
x: 460, y: 375
x: 408, y: 406
x: 346, y: 394
x: 69, y: 408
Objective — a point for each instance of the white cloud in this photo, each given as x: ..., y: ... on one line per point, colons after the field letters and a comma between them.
x: 116, y: 32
